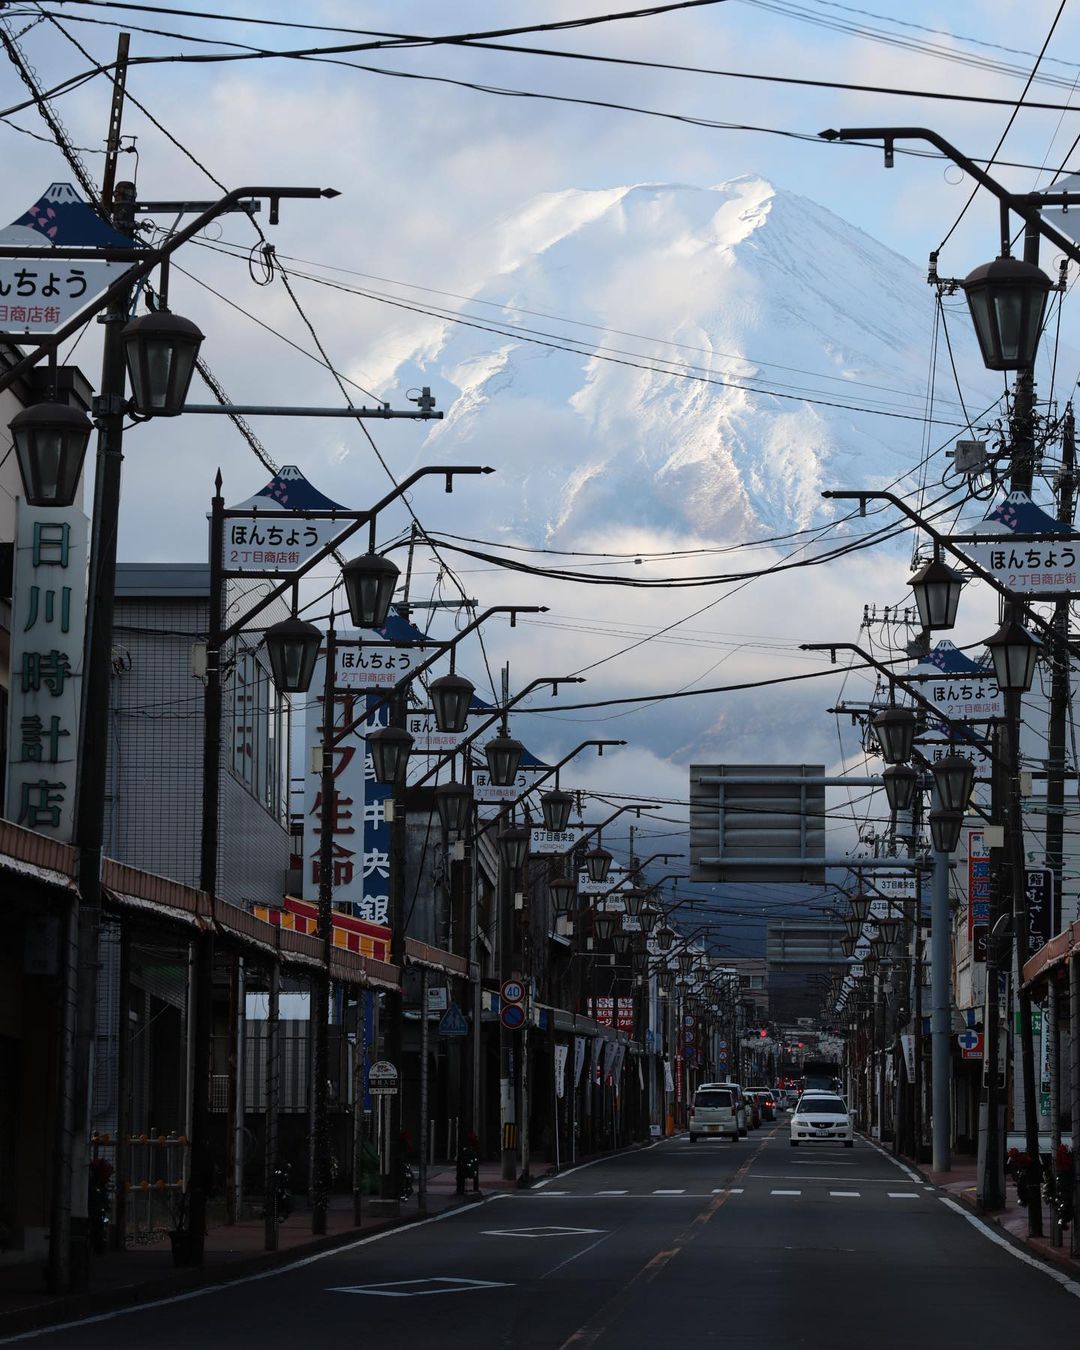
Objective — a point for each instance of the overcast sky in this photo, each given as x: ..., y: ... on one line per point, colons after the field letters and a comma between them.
x: 430, y: 171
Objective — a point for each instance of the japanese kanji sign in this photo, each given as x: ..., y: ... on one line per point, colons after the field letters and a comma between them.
x: 978, y: 889
x: 375, y: 666
x: 1028, y: 550
x: 960, y: 688
x: 48, y: 620
x: 37, y: 295
x: 275, y: 537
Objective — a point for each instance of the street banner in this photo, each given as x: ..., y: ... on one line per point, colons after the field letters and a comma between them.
x: 560, y: 1069
x: 978, y: 888
x: 961, y: 689
x: 48, y: 618
x: 594, y: 1068
x: 616, y: 877
x: 1043, y: 923
x: 429, y: 740
x: 579, y: 1058
x: 908, y: 1043
x: 485, y: 791
x: 1027, y: 549
x: 669, y: 1081
x: 275, y: 537
x: 562, y: 841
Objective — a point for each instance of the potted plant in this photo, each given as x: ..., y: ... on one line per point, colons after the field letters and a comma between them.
x: 1058, y: 1184
x: 101, y: 1172
x: 180, y: 1232
x: 1019, y: 1166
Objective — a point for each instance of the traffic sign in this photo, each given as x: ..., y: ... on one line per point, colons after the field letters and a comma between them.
x: 383, y: 1089
x: 512, y: 991
x: 382, y: 1071
x: 512, y: 1016
x: 971, y: 1044
x: 453, y: 1022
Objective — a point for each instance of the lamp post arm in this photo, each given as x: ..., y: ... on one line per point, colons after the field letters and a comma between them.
x: 496, y: 715
x: 143, y: 269
x: 357, y: 520
x: 510, y: 806
x: 441, y: 650
x: 892, y: 676
x: 1025, y: 205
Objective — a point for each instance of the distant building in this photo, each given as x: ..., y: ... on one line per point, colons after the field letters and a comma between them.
x: 753, y: 988
x: 800, y: 955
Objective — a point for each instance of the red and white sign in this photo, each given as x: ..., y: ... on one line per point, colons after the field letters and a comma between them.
x: 971, y: 1044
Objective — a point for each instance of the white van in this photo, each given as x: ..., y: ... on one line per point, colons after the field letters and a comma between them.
x: 714, y: 1113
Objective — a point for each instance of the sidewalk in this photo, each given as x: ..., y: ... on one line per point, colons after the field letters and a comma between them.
x: 145, y: 1272
x: 960, y: 1185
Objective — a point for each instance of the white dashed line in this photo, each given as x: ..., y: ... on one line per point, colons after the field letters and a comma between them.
x: 785, y: 1192
x: 728, y: 1190
x: 612, y: 1192
x: 682, y: 1192
x: 903, y: 1195
x: 854, y: 1195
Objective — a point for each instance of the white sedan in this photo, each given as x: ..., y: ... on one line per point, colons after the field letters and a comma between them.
x: 822, y: 1116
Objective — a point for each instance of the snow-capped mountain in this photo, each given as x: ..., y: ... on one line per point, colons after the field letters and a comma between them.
x: 744, y: 286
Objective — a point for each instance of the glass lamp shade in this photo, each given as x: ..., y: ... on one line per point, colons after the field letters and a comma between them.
x: 945, y: 827
x: 503, y: 754
x: 895, y: 731
x: 937, y: 594
x: 50, y: 446
x: 598, y: 863
x: 639, y: 962
x: 292, y: 647
x: 160, y: 351
x: 686, y: 961
x: 370, y: 581
x: 390, y: 748
x: 954, y: 777
x: 847, y: 944
x: 633, y: 898
x: 556, y: 806
x: 453, y: 801
x: 648, y: 918
x: 1007, y: 299
x: 664, y: 938
x: 451, y: 696
x: 860, y: 907
x: 665, y: 980
x: 604, y: 925
x: 562, y: 893
x: 514, y: 846
x: 900, y: 782
x: 889, y: 928
x: 853, y: 927
x: 1014, y: 652
x: 622, y: 942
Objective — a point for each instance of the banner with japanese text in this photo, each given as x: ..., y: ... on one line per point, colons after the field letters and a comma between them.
x: 48, y: 621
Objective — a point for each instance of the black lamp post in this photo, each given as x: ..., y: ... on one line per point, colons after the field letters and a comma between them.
x: 621, y: 940
x: 664, y: 938
x: 50, y: 446
x: 895, y: 731
x: 514, y: 846
x: 556, y: 806
x: 889, y: 928
x: 847, y: 945
x: 503, y: 754
x: 900, y: 782
x: 1014, y: 652
x: 648, y: 918
x: 160, y: 350
x: 562, y: 892
x: 633, y: 898
x: 598, y: 863
x: 453, y: 801
x: 604, y: 924
x: 853, y: 925
x: 292, y: 647
x: 954, y: 777
x: 860, y: 907
x: 450, y: 697
x: 937, y: 590
x: 945, y: 827
x: 390, y: 748
x: 370, y: 581
x: 1007, y: 299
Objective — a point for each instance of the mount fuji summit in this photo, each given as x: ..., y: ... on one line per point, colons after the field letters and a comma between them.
x: 753, y: 339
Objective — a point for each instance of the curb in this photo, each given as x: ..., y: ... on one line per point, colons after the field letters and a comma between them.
x: 636, y: 1147
x: 72, y: 1307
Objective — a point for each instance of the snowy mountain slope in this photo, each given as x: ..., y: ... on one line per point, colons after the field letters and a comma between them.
x: 758, y: 287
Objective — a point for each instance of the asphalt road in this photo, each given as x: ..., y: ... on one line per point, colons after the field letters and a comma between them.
x: 752, y: 1244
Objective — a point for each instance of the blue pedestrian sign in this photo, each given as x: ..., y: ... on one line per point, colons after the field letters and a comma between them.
x: 453, y: 1023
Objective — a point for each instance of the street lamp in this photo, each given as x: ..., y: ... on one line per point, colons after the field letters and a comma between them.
x: 945, y: 827
x: 390, y: 748
x: 633, y: 898
x: 603, y: 925
x: 1007, y: 299
x: 860, y: 907
x: 598, y: 863
x: 621, y: 940
x: 847, y: 945
x: 954, y: 777
x: 900, y: 782
x: 50, y: 445
x: 556, y: 806
x: 370, y: 581
x: 889, y: 928
x: 160, y: 350
x: 503, y: 754
x: 451, y: 696
x: 664, y: 938
x: 937, y: 590
x: 514, y: 846
x: 1014, y: 652
x: 895, y: 731
x: 453, y: 801
x: 562, y: 892
x: 292, y: 647
x: 853, y: 924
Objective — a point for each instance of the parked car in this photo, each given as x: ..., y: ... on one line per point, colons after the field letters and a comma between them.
x: 714, y: 1113
x: 741, y: 1112
x: 822, y: 1116
x: 766, y: 1101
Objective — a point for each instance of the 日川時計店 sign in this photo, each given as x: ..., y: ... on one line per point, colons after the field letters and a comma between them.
x: 48, y: 620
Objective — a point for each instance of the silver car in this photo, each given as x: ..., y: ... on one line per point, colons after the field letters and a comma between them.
x: 713, y: 1114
